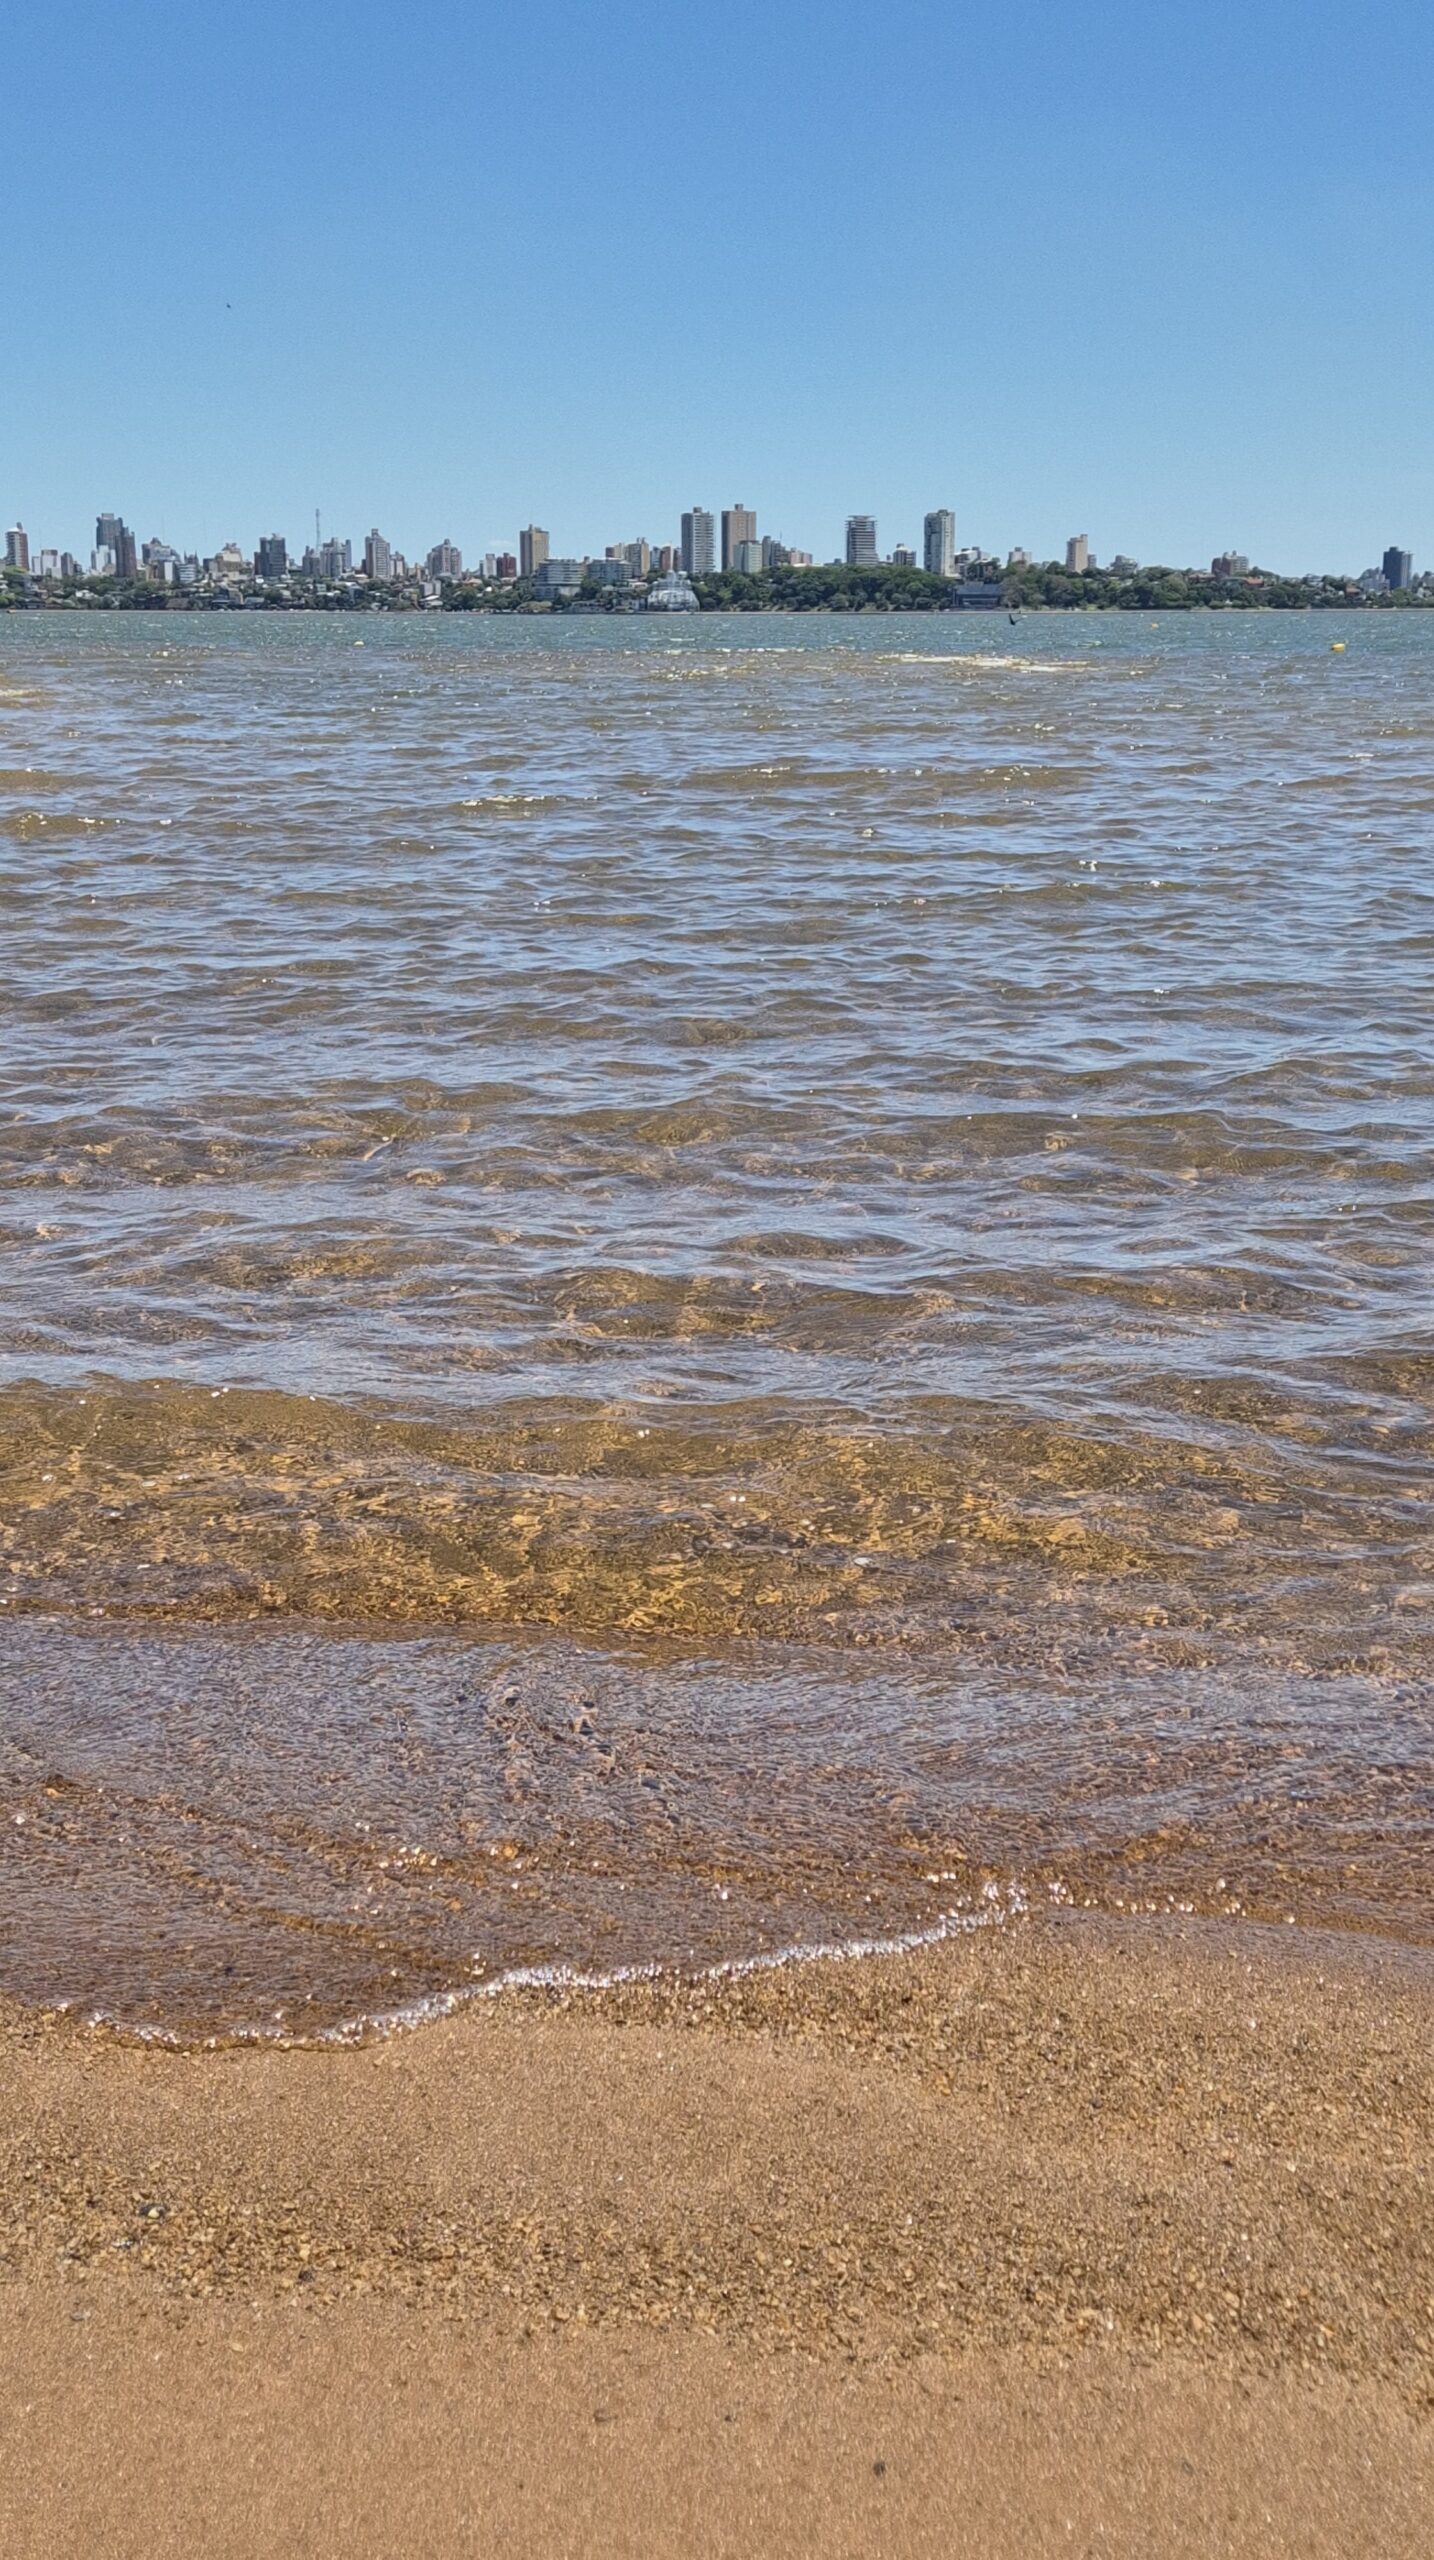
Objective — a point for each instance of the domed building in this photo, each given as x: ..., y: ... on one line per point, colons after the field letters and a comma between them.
x: 673, y: 593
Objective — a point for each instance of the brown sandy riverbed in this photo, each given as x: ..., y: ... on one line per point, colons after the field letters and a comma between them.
x: 1066, y: 2238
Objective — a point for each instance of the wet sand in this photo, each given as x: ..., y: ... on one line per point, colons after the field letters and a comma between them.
x: 1075, y: 2236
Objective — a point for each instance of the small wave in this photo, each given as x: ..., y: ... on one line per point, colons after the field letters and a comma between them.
x: 998, y: 1905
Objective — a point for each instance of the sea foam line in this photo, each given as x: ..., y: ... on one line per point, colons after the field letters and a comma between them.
x: 998, y: 1905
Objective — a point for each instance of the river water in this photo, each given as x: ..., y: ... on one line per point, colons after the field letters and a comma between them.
x: 674, y: 1291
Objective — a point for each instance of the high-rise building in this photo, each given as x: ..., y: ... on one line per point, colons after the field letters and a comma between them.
x: 532, y: 550
x: 747, y: 559
x: 1398, y: 567
x: 107, y: 532
x: 665, y: 559
x: 556, y: 578
x: 1078, y: 554
x: 938, y: 541
x: 697, y: 543
x: 1226, y: 564
x: 739, y: 524
x: 377, y: 559
x: 335, y: 560
x: 505, y: 567
x: 861, y: 542
x: 445, y: 560
x: 901, y: 558
x: 17, y: 548
x: 271, y: 560
x: 638, y: 556
x: 775, y: 554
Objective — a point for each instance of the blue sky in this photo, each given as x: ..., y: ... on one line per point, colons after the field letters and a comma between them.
x: 1162, y: 274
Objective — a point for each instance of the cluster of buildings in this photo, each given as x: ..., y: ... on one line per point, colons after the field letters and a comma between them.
x: 631, y: 574
x: 709, y: 542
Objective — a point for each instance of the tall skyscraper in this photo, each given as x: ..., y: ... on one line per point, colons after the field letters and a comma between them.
x: 271, y: 560
x: 532, y: 550
x: 861, y: 542
x: 17, y: 548
x: 1078, y: 554
x: 739, y: 524
x: 125, y: 558
x: 445, y: 560
x: 1398, y: 567
x: 698, y: 543
x: 939, y: 543
x: 377, y: 559
x: 107, y: 531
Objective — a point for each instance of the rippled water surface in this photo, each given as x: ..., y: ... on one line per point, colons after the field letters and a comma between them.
x: 844, y: 1203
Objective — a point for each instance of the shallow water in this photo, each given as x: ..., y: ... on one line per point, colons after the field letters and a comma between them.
x: 867, y: 1184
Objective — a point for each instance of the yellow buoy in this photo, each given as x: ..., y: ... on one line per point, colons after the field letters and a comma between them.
x: 1335, y: 647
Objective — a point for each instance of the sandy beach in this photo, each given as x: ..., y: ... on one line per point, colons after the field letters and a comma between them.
x: 1070, y: 2236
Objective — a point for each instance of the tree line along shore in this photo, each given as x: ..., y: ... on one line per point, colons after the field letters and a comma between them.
x: 832, y: 588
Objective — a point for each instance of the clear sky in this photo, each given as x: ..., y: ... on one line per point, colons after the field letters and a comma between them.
x: 1160, y: 274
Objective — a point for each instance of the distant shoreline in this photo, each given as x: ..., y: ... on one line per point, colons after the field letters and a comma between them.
x: 525, y: 609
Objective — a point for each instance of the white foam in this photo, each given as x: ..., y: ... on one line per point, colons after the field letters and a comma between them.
x: 998, y: 1904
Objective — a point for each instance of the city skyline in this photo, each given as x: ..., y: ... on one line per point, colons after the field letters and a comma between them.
x: 119, y: 552
x: 222, y: 336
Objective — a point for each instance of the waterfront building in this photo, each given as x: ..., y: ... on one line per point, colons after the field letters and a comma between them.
x: 114, y: 551
x: 161, y: 562
x: 377, y: 559
x: 747, y: 559
x: 17, y: 548
x: 1121, y: 566
x: 901, y: 558
x: 1399, y: 568
x: 553, y: 578
x: 739, y: 524
x: 1226, y: 564
x: 673, y: 592
x: 611, y: 572
x: 271, y: 560
x: 335, y: 560
x: 698, y: 543
x: 638, y: 556
x: 938, y: 543
x: 445, y: 560
x: 665, y: 560
x: 505, y: 568
x: 861, y: 542
x: 1078, y: 558
x: 532, y: 549
x: 47, y: 564
x: 775, y: 555
x: 799, y: 559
